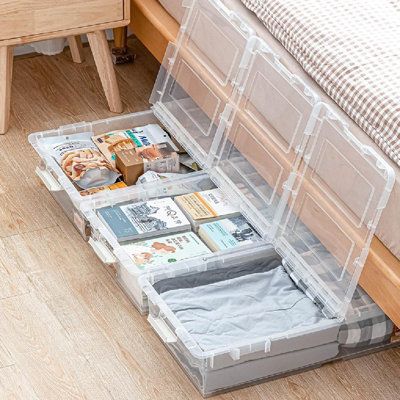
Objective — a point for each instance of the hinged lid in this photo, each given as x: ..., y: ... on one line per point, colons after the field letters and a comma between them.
x: 304, y: 181
x: 307, y: 184
x: 199, y: 74
x: 332, y: 212
x: 266, y: 136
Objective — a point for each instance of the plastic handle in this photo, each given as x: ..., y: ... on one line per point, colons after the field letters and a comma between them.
x: 48, y: 180
x: 162, y: 329
x: 102, y: 252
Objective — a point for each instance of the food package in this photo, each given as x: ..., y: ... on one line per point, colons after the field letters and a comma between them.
x: 95, y: 190
x: 81, y: 161
x: 126, y: 139
x: 156, y: 157
x: 151, y: 176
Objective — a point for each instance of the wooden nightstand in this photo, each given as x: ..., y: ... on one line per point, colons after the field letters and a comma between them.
x: 33, y: 20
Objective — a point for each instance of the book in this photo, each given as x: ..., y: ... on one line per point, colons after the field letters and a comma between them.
x: 135, y: 221
x: 228, y: 233
x: 206, y: 206
x: 166, y: 250
x: 127, y: 139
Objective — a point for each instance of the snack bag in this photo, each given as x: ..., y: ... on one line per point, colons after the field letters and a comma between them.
x: 81, y: 161
x: 95, y: 190
x: 151, y: 176
x: 127, y: 139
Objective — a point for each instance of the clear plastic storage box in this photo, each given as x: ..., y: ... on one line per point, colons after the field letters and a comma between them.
x: 59, y: 185
x: 311, y: 190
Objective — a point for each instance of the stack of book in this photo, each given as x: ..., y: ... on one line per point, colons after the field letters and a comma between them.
x: 135, y: 221
x: 158, y: 232
x: 206, y: 206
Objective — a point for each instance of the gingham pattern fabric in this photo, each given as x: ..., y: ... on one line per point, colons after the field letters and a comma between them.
x: 357, y: 331
x: 352, y: 50
x: 365, y: 323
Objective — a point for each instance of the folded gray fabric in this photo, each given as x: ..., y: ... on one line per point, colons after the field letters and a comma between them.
x: 217, y: 275
x: 250, y: 306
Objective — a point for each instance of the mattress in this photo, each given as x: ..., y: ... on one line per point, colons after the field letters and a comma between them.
x: 352, y: 50
x: 388, y: 230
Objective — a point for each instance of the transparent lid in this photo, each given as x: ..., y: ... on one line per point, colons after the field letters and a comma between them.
x: 304, y: 181
x: 198, y: 76
x: 332, y: 212
x: 308, y: 185
x: 266, y: 135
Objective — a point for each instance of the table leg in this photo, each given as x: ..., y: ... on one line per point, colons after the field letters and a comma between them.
x: 120, y: 50
x: 6, y: 67
x: 76, y: 48
x: 102, y: 57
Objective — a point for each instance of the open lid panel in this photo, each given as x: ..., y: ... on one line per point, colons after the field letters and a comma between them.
x: 307, y: 184
x: 198, y: 76
x: 266, y: 136
x: 332, y: 212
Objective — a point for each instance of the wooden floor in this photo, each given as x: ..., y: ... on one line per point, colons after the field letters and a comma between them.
x: 66, y: 329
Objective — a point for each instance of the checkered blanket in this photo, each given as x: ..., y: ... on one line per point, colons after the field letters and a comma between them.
x: 365, y: 323
x: 351, y: 49
x: 363, y: 332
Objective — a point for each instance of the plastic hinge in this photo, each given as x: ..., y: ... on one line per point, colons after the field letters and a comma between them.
x: 187, y: 3
x: 75, y: 128
x: 102, y: 252
x: 48, y: 180
x: 314, y: 117
x: 162, y: 330
x: 235, y: 354
x: 267, y: 347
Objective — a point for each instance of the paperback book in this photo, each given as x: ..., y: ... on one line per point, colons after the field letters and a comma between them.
x: 228, y: 233
x: 166, y: 250
x: 206, y: 206
x: 135, y: 221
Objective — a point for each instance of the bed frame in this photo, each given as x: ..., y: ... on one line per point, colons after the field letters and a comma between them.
x: 155, y: 28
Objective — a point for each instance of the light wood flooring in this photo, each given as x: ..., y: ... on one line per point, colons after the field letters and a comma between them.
x: 66, y: 329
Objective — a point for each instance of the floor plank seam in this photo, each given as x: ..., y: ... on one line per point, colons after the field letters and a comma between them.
x: 28, y: 231
x: 24, y: 293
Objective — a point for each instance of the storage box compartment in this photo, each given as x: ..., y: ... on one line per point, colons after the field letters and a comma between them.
x: 110, y: 251
x: 59, y: 185
x: 311, y: 190
x: 237, y: 318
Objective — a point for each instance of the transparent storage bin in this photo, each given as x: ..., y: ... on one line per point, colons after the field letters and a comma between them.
x: 300, y: 178
x: 248, y: 362
x: 240, y: 361
x: 110, y: 251
x: 59, y: 185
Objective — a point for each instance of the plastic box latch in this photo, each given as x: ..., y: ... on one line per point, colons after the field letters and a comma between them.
x: 235, y: 354
x: 267, y: 346
x: 79, y: 127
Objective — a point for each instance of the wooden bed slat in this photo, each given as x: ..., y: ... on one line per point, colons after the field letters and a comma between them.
x: 153, y: 26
